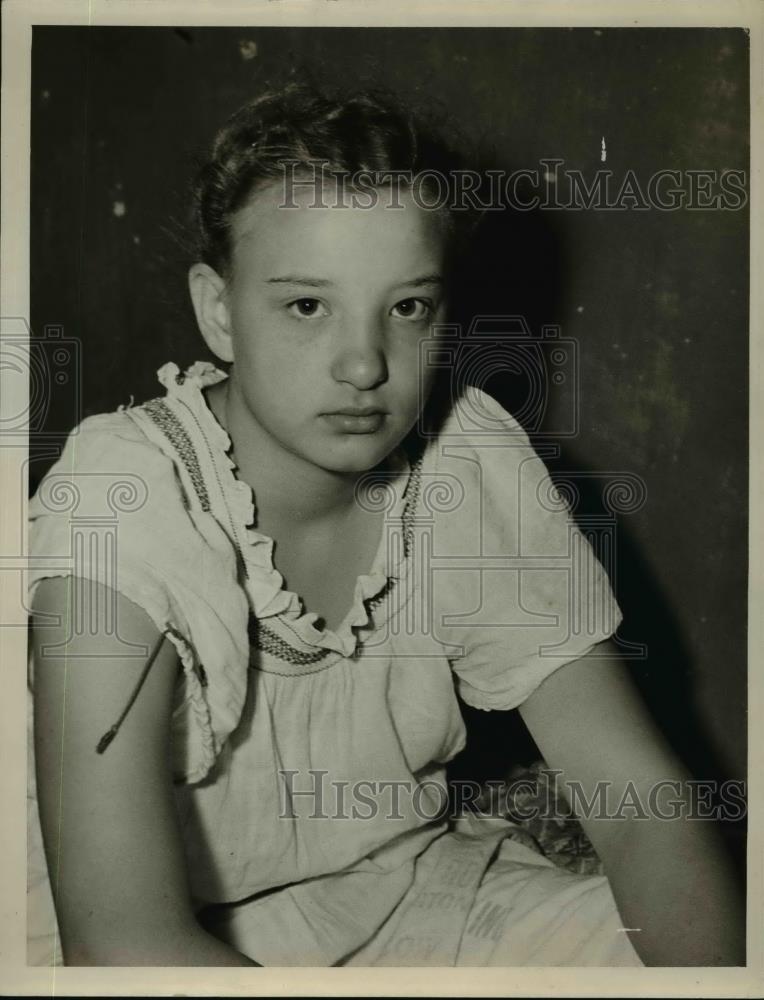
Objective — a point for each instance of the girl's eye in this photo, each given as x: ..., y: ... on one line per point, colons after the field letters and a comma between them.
x: 307, y: 308
x: 414, y: 309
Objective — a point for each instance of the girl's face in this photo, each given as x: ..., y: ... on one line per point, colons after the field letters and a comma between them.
x: 327, y: 308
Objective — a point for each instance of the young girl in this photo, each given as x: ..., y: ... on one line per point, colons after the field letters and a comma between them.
x: 269, y: 585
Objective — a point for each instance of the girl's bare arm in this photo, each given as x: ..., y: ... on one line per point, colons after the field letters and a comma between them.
x: 672, y: 878
x: 109, y: 825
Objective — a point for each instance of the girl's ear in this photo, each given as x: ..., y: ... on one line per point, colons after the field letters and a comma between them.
x: 207, y: 290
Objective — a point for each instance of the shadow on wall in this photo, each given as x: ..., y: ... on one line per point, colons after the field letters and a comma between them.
x: 516, y: 267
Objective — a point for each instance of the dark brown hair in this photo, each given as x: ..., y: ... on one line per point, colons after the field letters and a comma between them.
x: 369, y: 130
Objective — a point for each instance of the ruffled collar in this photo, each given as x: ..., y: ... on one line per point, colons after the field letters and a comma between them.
x: 233, y: 503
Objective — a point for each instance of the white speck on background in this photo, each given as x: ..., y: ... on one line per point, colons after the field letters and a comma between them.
x: 136, y: 239
x: 118, y: 209
x: 603, y: 155
x: 247, y: 48
x: 579, y: 309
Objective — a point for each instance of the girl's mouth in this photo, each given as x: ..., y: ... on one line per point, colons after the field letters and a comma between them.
x: 366, y: 421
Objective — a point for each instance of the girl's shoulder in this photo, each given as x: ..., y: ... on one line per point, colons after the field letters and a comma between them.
x: 481, y: 447
x: 112, y: 434
x: 474, y: 418
x: 517, y: 588
x: 155, y: 440
x: 106, y: 459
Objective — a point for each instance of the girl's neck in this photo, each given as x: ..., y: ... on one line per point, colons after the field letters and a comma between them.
x: 287, y: 489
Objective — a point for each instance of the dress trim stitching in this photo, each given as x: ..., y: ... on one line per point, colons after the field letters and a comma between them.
x: 413, y: 488
x: 268, y: 641
x: 231, y: 521
x: 178, y: 437
x: 374, y: 602
x: 303, y: 673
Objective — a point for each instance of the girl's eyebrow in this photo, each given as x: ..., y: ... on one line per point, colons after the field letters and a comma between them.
x: 425, y: 279
x: 298, y: 279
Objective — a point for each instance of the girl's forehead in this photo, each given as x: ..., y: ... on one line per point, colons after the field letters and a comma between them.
x: 314, y: 219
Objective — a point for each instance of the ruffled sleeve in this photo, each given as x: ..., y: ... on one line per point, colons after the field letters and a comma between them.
x: 112, y: 510
x: 517, y: 589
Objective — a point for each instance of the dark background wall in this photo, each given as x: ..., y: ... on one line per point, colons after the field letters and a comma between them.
x: 656, y: 301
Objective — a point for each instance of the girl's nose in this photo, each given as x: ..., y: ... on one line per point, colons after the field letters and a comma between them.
x: 360, y: 358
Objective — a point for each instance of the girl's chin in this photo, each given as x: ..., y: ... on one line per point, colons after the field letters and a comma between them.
x: 357, y: 455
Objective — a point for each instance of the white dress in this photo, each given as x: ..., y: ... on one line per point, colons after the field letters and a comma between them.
x: 290, y: 739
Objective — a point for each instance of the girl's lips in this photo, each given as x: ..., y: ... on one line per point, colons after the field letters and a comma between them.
x: 359, y: 422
